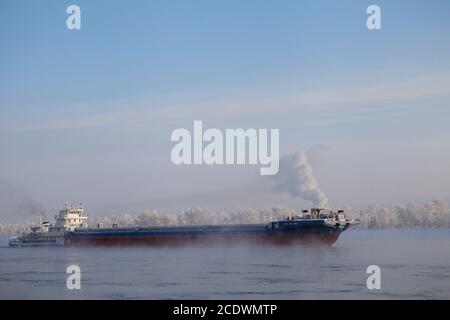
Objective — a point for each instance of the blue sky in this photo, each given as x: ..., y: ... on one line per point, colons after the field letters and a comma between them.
x: 87, y: 114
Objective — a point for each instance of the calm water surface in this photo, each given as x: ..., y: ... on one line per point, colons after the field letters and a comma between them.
x: 415, y: 264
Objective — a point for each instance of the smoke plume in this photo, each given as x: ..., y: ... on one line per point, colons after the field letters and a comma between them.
x: 16, y: 203
x: 296, y: 177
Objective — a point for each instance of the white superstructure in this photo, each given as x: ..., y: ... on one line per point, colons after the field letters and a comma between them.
x: 69, y: 218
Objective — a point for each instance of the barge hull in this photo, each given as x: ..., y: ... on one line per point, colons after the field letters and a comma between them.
x: 278, y: 233
x: 320, y: 239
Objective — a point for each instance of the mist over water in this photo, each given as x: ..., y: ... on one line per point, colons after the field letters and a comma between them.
x: 414, y: 265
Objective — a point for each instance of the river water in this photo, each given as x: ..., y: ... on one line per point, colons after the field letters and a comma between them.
x: 415, y: 264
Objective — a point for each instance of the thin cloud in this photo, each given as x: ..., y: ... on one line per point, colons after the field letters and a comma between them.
x: 373, y: 96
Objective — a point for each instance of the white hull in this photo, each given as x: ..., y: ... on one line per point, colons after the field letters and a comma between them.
x: 20, y: 242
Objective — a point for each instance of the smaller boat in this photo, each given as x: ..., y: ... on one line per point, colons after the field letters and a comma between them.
x: 52, y: 234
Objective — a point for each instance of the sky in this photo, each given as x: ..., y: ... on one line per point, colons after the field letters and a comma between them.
x: 86, y: 115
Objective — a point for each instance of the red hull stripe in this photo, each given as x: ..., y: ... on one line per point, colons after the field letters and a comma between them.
x: 327, y: 239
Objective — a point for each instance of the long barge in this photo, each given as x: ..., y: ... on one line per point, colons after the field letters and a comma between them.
x: 317, y: 226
